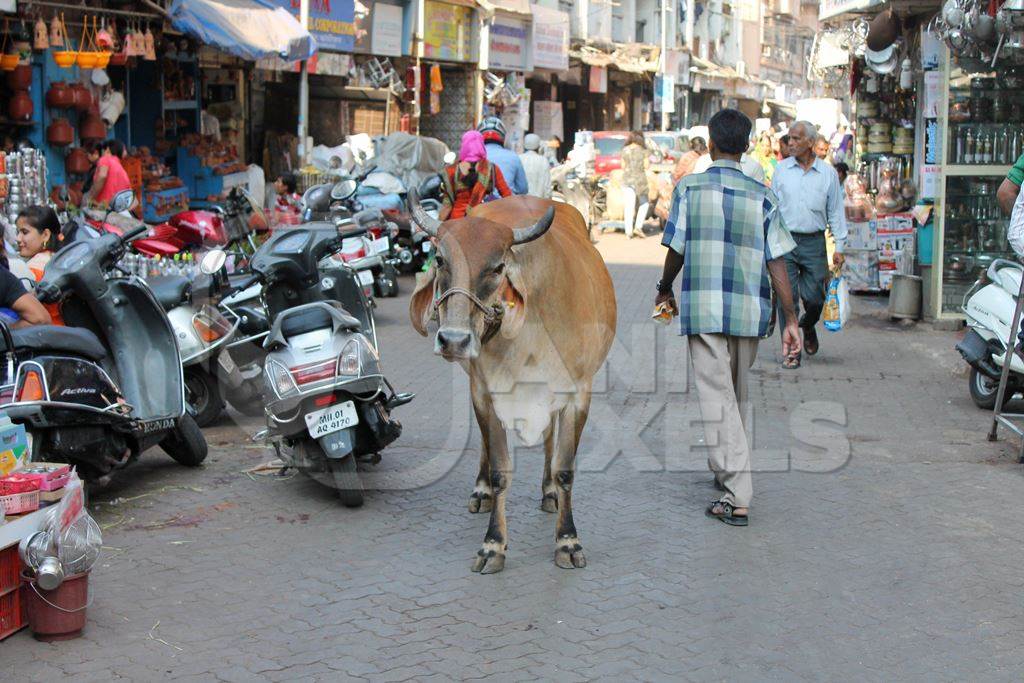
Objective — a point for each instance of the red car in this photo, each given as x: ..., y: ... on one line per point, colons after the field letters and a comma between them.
x: 608, y: 146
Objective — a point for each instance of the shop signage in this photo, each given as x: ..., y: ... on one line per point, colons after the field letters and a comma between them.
x: 550, y: 38
x: 547, y: 120
x: 598, y: 79
x: 833, y: 8
x: 448, y: 31
x: 508, y: 46
x: 386, y: 29
x: 665, y: 94
x: 8, y: 6
x: 331, y: 22
x: 677, y: 64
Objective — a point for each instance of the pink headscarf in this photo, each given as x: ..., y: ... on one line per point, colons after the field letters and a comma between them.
x: 472, y: 148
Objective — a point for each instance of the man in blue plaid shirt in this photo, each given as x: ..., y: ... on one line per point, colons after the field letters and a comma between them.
x: 726, y: 234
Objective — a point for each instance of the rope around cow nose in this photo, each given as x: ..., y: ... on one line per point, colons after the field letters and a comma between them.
x: 493, y: 314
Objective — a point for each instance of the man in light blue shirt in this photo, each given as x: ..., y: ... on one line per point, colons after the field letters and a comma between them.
x: 508, y: 161
x: 811, y: 200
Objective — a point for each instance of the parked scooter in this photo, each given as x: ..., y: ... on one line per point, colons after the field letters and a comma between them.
x: 109, y: 385
x: 414, y: 244
x: 202, y: 329
x: 989, y: 307
x: 327, y: 402
x: 372, y: 248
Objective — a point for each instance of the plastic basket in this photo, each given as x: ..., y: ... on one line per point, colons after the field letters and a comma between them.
x: 15, y: 483
x: 20, y: 503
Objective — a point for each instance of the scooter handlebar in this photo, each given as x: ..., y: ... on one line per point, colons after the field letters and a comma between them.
x: 134, y: 232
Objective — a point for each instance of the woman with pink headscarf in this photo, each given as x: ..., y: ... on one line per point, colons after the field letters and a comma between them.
x: 470, y: 181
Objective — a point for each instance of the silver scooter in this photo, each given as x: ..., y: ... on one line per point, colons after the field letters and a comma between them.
x: 326, y: 399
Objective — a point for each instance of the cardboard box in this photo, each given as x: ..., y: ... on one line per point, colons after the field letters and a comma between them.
x: 862, y: 235
x: 861, y: 270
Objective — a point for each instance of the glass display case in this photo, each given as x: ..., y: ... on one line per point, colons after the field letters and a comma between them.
x: 981, y: 123
x: 974, y: 234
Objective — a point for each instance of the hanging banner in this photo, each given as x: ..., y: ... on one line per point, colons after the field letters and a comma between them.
x: 665, y: 94
x: 448, y: 32
x: 331, y: 22
x: 508, y: 46
x: 550, y: 38
x: 598, y: 79
x: 547, y: 120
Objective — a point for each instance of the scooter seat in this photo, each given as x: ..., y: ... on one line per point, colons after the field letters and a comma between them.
x: 170, y: 290
x: 315, y: 318
x: 76, y: 341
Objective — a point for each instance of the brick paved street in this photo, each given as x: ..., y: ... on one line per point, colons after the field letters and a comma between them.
x: 884, y: 540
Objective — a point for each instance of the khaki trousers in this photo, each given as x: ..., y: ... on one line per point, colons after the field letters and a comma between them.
x: 721, y: 369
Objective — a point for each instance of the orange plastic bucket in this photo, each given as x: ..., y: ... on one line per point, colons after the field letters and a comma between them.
x: 58, y: 614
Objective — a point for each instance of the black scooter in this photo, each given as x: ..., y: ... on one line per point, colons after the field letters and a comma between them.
x: 108, y: 386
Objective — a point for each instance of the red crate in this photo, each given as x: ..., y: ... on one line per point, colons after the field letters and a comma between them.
x: 11, y: 617
x: 10, y: 569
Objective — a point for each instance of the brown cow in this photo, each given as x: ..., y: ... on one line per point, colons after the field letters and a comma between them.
x: 526, y: 306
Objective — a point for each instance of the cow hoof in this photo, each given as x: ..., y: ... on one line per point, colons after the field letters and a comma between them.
x: 488, y: 562
x: 569, y: 554
x: 480, y: 501
x: 549, y: 503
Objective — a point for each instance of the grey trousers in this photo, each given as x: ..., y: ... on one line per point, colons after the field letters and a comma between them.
x: 721, y: 370
x: 807, y: 268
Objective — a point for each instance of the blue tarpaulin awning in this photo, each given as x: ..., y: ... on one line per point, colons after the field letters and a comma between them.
x: 250, y: 29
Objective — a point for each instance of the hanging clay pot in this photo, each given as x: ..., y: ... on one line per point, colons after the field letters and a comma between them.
x: 60, y: 133
x: 20, y: 78
x: 42, y: 38
x: 19, y: 106
x: 92, y: 128
x: 56, y: 32
x: 59, y: 96
x: 77, y: 161
x: 82, y: 98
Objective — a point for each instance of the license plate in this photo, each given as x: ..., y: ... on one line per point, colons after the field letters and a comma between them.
x: 426, y: 247
x: 365, y: 277
x: 380, y: 246
x: 332, y: 419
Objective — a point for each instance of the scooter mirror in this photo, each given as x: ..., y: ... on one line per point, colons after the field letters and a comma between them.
x: 344, y: 189
x: 122, y: 201
x: 212, y: 261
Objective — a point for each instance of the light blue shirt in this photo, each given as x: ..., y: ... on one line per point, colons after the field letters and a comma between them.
x: 510, y: 165
x: 811, y: 200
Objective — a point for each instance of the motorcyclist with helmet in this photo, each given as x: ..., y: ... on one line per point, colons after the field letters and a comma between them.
x: 505, y: 159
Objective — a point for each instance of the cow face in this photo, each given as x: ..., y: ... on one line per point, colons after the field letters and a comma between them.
x: 476, y: 286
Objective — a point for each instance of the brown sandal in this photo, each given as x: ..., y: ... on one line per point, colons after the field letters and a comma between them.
x: 726, y: 513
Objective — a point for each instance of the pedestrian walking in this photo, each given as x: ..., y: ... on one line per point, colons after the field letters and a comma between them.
x: 493, y: 131
x: 635, y: 200
x: 471, y: 180
x: 537, y: 168
x: 684, y: 167
x: 727, y: 235
x: 821, y: 147
x: 811, y: 200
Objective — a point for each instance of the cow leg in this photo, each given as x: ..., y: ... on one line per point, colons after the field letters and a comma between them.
x: 568, y: 550
x: 482, y: 498
x: 490, y: 558
x: 548, y: 489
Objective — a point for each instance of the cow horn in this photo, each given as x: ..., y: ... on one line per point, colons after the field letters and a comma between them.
x: 423, y: 219
x: 524, y: 235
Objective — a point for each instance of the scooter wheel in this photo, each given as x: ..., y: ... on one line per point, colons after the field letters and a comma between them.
x: 346, y: 481
x: 186, y: 444
x: 203, y: 394
x: 984, y: 389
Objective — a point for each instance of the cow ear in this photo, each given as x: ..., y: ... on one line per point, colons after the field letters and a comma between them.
x: 421, y: 306
x: 514, y: 299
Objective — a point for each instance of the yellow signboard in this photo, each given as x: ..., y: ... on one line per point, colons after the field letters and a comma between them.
x: 448, y: 32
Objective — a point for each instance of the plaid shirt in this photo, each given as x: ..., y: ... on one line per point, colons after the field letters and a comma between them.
x: 727, y: 226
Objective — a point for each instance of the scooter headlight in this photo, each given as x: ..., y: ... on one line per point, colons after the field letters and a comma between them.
x: 279, y: 379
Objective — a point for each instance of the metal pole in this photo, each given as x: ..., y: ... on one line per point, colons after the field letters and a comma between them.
x: 664, y: 64
x: 303, y: 93
x: 1010, y: 345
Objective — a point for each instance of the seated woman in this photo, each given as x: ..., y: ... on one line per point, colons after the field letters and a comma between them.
x: 38, y: 231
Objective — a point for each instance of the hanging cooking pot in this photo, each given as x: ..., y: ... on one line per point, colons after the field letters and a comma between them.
x: 77, y: 161
x: 20, y: 78
x: 82, y: 98
x: 60, y: 133
x: 59, y: 96
x: 19, y: 107
x: 883, y: 30
x: 92, y: 127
